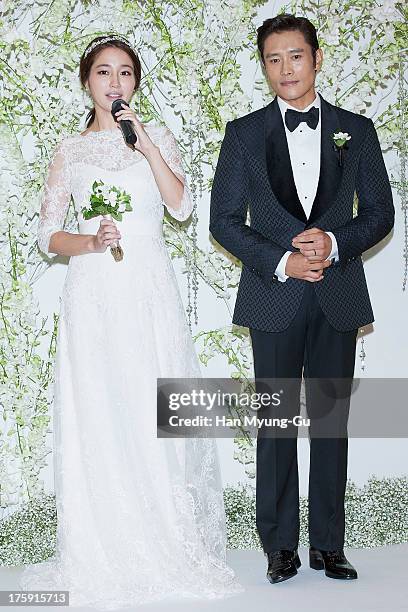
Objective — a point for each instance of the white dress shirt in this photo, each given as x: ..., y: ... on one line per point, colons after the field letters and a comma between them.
x: 304, y: 153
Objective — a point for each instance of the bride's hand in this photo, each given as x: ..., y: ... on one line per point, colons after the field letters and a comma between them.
x: 143, y: 143
x: 106, y: 235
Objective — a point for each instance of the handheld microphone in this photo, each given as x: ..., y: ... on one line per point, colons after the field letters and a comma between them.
x: 125, y: 124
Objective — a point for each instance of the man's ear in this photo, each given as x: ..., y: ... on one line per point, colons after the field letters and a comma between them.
x: 319, y: 59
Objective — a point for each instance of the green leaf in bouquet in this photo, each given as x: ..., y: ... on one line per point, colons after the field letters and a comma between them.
x: 100, y: 209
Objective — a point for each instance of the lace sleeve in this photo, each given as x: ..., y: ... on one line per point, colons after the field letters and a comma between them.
x: 55, y: 198
x: 171, y: 155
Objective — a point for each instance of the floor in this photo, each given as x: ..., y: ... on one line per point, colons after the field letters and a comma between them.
x: 382, y: 585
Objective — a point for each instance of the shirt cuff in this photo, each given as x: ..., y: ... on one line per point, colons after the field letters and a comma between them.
x: 334, y: 250
x: 280, y: 268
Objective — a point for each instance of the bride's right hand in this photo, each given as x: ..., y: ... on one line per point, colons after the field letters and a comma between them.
x: 106, y: 235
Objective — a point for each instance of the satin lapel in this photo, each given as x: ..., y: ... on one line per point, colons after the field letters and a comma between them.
x: 278, y: 163
x: 330, y: 171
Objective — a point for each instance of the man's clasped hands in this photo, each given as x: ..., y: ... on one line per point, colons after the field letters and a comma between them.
x: 308, y: 264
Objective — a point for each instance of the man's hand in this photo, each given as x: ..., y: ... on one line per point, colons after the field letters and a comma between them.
x: 314, y: 244
x: 298, y: 266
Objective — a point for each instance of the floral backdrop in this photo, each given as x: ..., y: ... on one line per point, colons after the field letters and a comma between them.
x: 200, y: 69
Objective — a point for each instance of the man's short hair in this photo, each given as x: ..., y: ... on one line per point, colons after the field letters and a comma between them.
x: 283, y: 23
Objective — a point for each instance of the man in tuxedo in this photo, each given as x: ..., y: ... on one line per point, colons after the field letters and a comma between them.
x: 302, y: 292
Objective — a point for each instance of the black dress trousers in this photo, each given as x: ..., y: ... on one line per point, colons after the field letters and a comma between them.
x: 312, y: 347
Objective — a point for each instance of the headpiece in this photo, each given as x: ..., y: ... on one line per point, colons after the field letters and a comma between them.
x: 106, y: 39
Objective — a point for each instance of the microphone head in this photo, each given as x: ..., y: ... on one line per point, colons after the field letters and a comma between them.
x: 117, y: 106
x: 126, y: 125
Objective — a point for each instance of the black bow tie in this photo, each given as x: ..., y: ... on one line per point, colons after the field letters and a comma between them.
x: 293, y: 118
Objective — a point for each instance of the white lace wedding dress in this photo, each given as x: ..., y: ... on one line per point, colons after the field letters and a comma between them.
x: 140, y: 518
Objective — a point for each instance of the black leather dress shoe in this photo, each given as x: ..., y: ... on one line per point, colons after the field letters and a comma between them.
x: 333, y: 562
x: 282, y: 564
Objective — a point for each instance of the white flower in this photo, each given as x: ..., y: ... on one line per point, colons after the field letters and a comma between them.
x: 111, y: 198
x: 355, y: 103
x: 341, y: 136
x: 104, y: 190
x: 333, y: 36
x: 11, y: 35
x: 386, y: 11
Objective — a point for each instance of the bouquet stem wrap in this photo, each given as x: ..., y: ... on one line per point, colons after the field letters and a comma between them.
x: 115, y: 249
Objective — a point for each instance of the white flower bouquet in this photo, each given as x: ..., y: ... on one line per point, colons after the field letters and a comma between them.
x: 110, y: 202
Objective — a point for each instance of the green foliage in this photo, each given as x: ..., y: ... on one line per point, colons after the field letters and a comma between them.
x: 376, y: 515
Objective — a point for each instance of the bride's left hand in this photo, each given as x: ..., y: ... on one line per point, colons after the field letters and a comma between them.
x: 143, y: 143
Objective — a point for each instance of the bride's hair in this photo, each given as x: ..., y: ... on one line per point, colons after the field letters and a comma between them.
x: 90, y: 54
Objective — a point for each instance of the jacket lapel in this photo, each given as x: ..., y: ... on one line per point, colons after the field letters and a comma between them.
x: 278, y: 163
x: 330, y: 171
x: 279, y: 168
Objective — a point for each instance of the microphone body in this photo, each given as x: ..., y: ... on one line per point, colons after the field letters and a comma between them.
x: 125, y: 125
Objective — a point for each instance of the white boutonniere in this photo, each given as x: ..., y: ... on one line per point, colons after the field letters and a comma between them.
x: 108, y: 201
x: 340, y: 139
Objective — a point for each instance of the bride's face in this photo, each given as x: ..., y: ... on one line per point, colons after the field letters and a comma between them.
x: 112, y: 73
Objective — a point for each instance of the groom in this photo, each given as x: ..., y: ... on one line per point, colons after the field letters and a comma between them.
x: 302, y: 293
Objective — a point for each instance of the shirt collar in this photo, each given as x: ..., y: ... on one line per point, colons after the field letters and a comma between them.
x: 283, y: 105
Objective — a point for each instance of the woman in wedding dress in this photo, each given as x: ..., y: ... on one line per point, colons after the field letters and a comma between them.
x: 140, y: 518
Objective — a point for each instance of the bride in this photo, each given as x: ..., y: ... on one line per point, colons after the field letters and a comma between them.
x: 140, y: 518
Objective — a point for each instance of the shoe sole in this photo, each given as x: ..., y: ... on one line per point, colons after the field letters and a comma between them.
x: 283, y: 578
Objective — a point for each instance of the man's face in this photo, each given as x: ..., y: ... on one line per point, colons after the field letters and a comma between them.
x: 289, y: 67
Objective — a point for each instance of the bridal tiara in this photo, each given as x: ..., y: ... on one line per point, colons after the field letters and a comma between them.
x: 104, y: 40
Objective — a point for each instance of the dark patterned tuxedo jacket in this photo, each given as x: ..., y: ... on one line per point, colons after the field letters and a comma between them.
x: 254, y: 171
